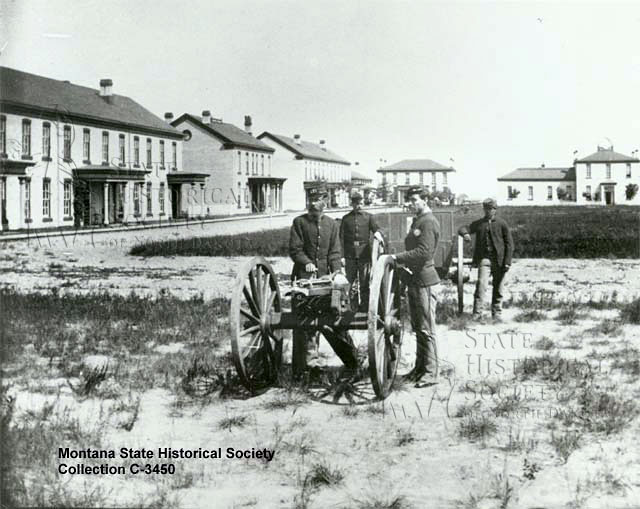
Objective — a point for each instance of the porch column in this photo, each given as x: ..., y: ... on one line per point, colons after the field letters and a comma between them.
x: 3, y: 191
x: 202, y: 213
x: 280, y: 197
x: 21, y: 207
x: 106, y: 204
x: 126, y: 210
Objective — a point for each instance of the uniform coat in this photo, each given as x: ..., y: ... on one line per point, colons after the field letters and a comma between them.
x: 420, y: 244
x: 314, y: 242
x: 356, y: 228
x: 500, y: 236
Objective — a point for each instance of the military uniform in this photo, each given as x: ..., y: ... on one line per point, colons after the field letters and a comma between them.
x: 356, y: 228
x: 317, y: 241
x: 420, y: 245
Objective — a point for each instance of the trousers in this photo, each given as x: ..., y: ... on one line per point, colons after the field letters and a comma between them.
x: 422, y: 308
x: 359, y: 270
x: 485, y: 267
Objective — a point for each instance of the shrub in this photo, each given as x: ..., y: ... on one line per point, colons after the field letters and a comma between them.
x: 630, y: 313
x: 630, y: 191
x: 477, y: 427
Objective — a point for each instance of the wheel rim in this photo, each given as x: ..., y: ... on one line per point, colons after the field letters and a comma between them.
x: 384, y: 326
x: 255, y: 347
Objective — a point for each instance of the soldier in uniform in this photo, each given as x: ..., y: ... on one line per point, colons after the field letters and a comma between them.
x: 420, y: 244
x: 314, y: 247
x: 492, y: 255
x: 355, y: 231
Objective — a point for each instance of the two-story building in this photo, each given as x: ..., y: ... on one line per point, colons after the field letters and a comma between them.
x: 605, y: 177
x: 399, y: 177
x: 362, y: 183
x: 73, y: 155
x: 242, y: 176
x: 305, y: 165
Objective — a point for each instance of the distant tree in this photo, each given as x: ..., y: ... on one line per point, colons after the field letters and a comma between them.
x: 514, y: 193
x: 562, y: 193
x: 631, y: 191
x: 587, y: 195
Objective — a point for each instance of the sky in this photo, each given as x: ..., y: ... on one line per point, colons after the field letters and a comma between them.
x: 486, y: 87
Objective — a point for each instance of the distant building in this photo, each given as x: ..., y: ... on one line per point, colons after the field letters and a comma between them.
x: 362, y: 183
x: 601, y: 178
x: 76, y: 155
x: 242, y: 177
x: 305, y: 165
x: 401, y: 176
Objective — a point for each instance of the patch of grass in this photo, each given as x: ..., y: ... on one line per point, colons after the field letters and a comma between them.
x: 544, y: 343
x: 508, y: 405
x: 404, y: 436
x: 477, y: 427
x: 630, y: 313
x: 565, y: 443
x: 553, y: 368
x: 606, y: 327
x: 350, y: 411
x: 323, y: 474
x: 233, y: 421
x: 532, y: 315
x: 467, y: 409
x: 382, y: 501
x: 286, y: 399
x: 569, y: 315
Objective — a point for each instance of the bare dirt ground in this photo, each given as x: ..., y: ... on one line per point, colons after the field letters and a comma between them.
x: 489, y: 435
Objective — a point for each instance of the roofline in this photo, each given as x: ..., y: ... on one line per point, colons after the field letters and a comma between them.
x: 15, y: 108
x: 535, y: 179
x: 228, y: 144
x: 382, y: 170
x: 627, y: 160
x: 299, y: 155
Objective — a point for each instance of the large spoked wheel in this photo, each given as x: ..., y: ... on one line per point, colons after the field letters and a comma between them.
x: 460, y: 274
x: 384, y: 325
x: 256, y: 348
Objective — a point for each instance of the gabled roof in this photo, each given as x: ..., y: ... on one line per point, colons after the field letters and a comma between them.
x: 416, y: 165
x: 306, y: 149
x: 540, y: 173
x: 229, y: 134
x: 606, y: 155
x: 30, y: 92
x: 356, y: 175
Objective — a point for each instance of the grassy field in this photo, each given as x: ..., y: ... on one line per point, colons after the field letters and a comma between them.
x: 538, y: 232
x: 76, y: 354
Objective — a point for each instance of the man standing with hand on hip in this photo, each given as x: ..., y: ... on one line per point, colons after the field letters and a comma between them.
x: 492, y: 255
x: 420, y: 244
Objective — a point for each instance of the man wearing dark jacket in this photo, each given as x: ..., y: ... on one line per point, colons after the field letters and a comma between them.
x: 492, y: 255
x: 420, y: 245
x: 356, y: 228
x: 314, y: 247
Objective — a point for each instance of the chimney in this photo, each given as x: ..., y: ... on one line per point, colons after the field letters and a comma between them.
x: 168, y: 117
x: 296, y: 139
x: 105, y: 87
x: 247, y: 124
x: 322, y: 145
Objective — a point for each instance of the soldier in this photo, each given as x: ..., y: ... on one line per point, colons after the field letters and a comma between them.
x: 492, y: 255
x: 420, y: 244
x: 355, y: 229
x: 314, y: 247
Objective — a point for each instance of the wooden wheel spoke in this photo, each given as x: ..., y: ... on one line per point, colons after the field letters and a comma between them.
x: 253, y: 276
x: 250, y: 330
x: 247, y: 314
x: 250, y: 301
x: 252, y: 346
x: 381, y: 321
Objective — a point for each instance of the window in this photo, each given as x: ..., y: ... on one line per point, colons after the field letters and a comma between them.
x: 136, y: 199
x: 531, y: 192
x: 395, y: 177
x: 269, y: 164
x: 588, y: 191
x: 262, y: 163
x: 421, y: 178
x: 27, y: 199
x: 444, y: 178
x: 161, y: 197
x: 67, y: 198
x: 121, y: 150
x: 407, y: 178
x: 588, y: 170
x: 246, y: 161
x: 246, y: 196
x: 628, y: 170
x: 549, y: 192
x: 105, y: 147
x: 174, y: 156
x: 569, y: 195
x: 66, y: 148
x: 239, y: 163
x: 238, y: 197
x: 46, y: 198
x: 26, y: 138
x: 433, y: 180
x: 149, y: 212
x: 254, y: 165
x: 3, y: 134
x: 136, y: 151
x: 306, y: 171
x: 46, y: 141
x: 608, y: 170
x: 86, y: 145
x: 149, y: 160
x: 162, y: 154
